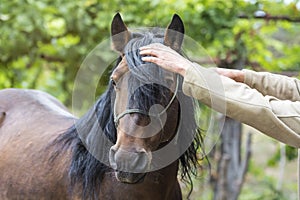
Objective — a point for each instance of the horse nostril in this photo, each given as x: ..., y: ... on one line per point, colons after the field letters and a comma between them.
x: 142, y: 162
x: 112, y: 160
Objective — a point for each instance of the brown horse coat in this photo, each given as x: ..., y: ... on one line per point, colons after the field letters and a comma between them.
x: 29, y: 121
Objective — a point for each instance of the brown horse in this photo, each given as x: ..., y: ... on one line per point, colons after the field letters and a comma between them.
x: 124, y: 147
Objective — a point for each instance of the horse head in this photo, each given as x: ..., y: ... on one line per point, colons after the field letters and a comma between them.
x: 146, y: 110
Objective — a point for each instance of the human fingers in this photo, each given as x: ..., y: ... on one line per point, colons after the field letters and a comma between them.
x: 157, y: 49
x: 163, y: 53
x: 152, y: 59
x: 149, y: 52
x: 171, y: 66
x: 160, y: 62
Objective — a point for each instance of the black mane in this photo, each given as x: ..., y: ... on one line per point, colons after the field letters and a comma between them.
x: 85, y: 170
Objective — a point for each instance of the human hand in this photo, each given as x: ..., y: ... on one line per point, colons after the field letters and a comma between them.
x: 165, y: 57
x: 234, y: 74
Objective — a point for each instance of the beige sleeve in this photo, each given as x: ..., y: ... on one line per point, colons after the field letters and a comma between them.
x: 276, y: 118
x: 281, y: 87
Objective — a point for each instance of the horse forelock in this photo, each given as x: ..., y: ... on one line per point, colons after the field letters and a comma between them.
x: 143, y: 71
x: 147, y: 81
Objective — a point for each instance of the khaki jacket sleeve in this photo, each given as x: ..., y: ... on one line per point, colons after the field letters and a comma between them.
x: 276, y: 118
x: 281, y: 87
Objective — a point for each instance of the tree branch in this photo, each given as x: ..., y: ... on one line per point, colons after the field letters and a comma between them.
x: 51, y: 58
x: 269, y: 17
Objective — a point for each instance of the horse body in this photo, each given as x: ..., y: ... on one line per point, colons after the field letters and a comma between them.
x: 30, y: 120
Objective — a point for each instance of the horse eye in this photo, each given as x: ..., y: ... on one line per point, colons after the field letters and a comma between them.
x: 113, y: 82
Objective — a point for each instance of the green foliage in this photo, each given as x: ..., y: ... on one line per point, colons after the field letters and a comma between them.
x: 264, y: 186
x: 268, y: 192
x: 290, y: 152
x: 44, y: 42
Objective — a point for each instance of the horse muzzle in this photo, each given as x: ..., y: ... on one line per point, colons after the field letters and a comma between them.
x: 130, y: 164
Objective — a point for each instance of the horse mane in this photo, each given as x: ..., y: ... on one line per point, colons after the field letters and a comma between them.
x: 85, y: 171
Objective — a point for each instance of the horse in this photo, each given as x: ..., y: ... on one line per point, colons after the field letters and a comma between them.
x: 47, y: 153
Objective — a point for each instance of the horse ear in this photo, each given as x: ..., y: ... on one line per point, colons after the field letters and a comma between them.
x: 174, y: 33
x: 120, y: 34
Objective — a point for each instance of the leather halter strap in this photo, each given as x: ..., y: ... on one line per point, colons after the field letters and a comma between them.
x: 134, y: 110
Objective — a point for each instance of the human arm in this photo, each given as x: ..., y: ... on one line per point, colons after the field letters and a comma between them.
x: 277, y: 118
x: 279, y: 86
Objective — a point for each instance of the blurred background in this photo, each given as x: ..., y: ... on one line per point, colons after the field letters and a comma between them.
x: 43, y: 44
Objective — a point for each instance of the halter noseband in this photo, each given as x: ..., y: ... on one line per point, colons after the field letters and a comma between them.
x: 135, y: 110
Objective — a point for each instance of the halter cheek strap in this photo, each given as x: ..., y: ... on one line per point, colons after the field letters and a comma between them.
x: 130, y: 111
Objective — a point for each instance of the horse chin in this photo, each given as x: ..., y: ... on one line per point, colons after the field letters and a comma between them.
x: 130, y: 178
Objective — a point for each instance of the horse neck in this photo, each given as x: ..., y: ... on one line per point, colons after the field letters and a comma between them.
x: 167, y: 173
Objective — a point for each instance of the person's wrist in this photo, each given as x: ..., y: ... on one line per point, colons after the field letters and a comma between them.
x: 183, y: 67
x: 240, y: 77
